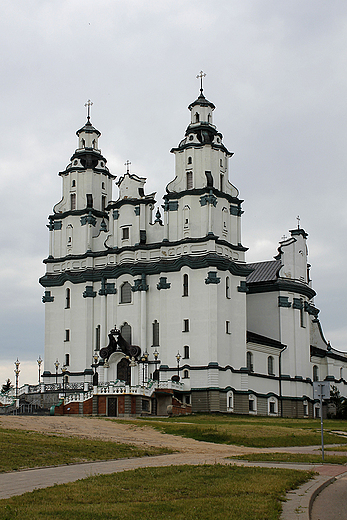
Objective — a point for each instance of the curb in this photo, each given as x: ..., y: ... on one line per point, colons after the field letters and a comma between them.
x: 299, y: 502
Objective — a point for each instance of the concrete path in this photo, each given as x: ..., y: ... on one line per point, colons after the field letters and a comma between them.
x: 331, y: 503
x: 297, y: 506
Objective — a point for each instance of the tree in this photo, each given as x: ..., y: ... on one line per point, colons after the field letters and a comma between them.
x: 6, y: 386
x: 339, y: 402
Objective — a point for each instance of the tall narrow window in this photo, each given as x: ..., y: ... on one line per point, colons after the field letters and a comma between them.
x: 227, y: 327
x: 185, y: 326
x: 250, y: 361
x: 67, y: 335
x: 190, y: 160
x: 125, y: 293
x: 221, y: 163
x: 67, y: 360
x: 73, y: 184
x: 209, y: 179
x: 227, y: 287
x: 155, y: 330
x: 185, y: 374
x: 221, y: 182
x: 197, y: 117
x: 315, y: 373
x: 186, y: 352
x: 103, y: 202
x: 89, y: 200
x: 189, y: 180
x: 185, y: 285
x: 302, y: 314
x: 97, y: 338
x: 102, y: 185
x: 73, y: 201
x: 125, y: 233
x: 67, y: 298
x: 270, y: 366
x: 126, y: 332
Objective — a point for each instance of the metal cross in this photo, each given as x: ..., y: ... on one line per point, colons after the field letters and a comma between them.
x: 127, y: 164
x: 88, y: 105
x: 298, y: 219
x: 201, y: 75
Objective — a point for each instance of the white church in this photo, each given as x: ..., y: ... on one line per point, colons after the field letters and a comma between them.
x: 152, y: 308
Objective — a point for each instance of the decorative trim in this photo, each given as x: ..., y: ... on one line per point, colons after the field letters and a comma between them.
x: 281, y: 285
x: 89, y: 293
x: 137, y: 211
x: 47, y: 298
x: 211, y: 199
x: 88, y: 219
x: 57, y: 225
x: 283, y: 301
x: 311, y: 309
x: 74, y: 212
x: 297, y: 304
x: 212, y: 278
x: 319, y: 352
x: 140, y: 285
x: 242, y: 287
x: 136, y: 268
x: 235, y: 210
x: 107, y: 288
x: 163, y: 284
x: 149, y: 199
x: 115, y: 214
x: 202, y: 191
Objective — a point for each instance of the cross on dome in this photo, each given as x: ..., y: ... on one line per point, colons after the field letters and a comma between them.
x: 298, y: 219
x: 201, y: 75
x: 88, y: 105
x: 127, y: 164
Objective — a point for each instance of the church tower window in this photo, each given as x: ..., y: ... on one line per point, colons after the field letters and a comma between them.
x: 126, y: 332
x: 221, y: 182
x: 73, y: 183
x: 125, y: 233
x: 190, y: 160
x: 227, y: 287
x: 270, y: 366
x: 67, y: 335
x: 189, y: 180
x: 125, y: 293
x: 67, y: 360
x: 67, y: 298
x: 155, y: 330
x: 97, y: 338
x: 73, y: 201
x: 89, y: 200
x: 197, y: 117
x: 250, y: 361
x: 103, y: 202
x: 315, y: 373
x: 185, y: 285
x: 186, y: 352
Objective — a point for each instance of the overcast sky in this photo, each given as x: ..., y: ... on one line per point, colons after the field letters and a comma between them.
x: 276, y: 71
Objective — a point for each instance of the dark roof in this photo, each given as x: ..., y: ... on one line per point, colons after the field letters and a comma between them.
x: 202, y: 101
x: 89, y: 129
x: 252, y: 337
x: 264, y: 271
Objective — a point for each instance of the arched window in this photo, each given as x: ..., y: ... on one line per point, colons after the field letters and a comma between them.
x: 89, y: 200
x: 69, y: 231
x: 227, y: 287
x: 341, y: 373
x: 102, y: 185
x: 125, y: 330
x: 186, y: 212
x: 67, y: 298
x: 189, y: 180
x: 190, y: 160
x: 197, y: 117
x: 125, y: 293
x: 103, y: 202
x: 186, y: 352
x: 315, y: 373
x: 73, y: 183
x: 94, y: 143
x: 83, y: 143
x: 230, y: 401
x: 185, y: 285
x: 250, y: 361
x: 155, y: 330
x: 185, y: 374
x: 270, y: 366
x: 221, y: 163
x: 209, y: 118
x: 73, y: 201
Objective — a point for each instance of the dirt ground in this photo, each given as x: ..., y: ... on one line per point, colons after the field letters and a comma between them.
x: 116, y: 431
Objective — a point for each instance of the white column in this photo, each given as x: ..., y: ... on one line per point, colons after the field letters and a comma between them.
x: 143, y: 333
x: 166, y: 225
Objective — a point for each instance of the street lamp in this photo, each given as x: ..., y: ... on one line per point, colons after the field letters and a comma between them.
x: 95, y: 365
x: 39, y: 362
x: 178, y: 357
x: 16, y: 371
x: 63, y: 370
x: 56, y: 364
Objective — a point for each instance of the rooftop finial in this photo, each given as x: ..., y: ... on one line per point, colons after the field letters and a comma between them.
x: 298, y: 219
x: 88, y: 105
x: 127, y: 164
x: 201, y: 75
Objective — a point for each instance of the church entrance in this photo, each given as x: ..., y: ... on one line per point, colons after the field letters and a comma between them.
x: 123, y: 371
x: 112, y: 406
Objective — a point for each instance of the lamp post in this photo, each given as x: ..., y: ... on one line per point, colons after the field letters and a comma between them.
x: 39, y: 363
x: 178, y: 357
x: 56, y: 364
x: 16, y: 371
x: 146, y: 356
x: 95, y: 366
x: 63, y: 370
x: 156, y: 355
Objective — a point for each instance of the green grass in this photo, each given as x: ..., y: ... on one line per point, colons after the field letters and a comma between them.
x: 336, y: 448
x: 307, y: 458
x: 26, y: 449
x: 261, y: 432
x: 177, y: 493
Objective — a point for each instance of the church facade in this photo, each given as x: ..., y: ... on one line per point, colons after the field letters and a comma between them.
x: 213, y: 333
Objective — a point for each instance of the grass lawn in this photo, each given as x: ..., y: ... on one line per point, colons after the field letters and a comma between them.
x: 293, y: 457
x: 261, y: 432
x: 176, y: 492
x: 27, y: 449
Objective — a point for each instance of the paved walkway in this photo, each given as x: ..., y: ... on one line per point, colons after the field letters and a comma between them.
x: 296, y: 507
